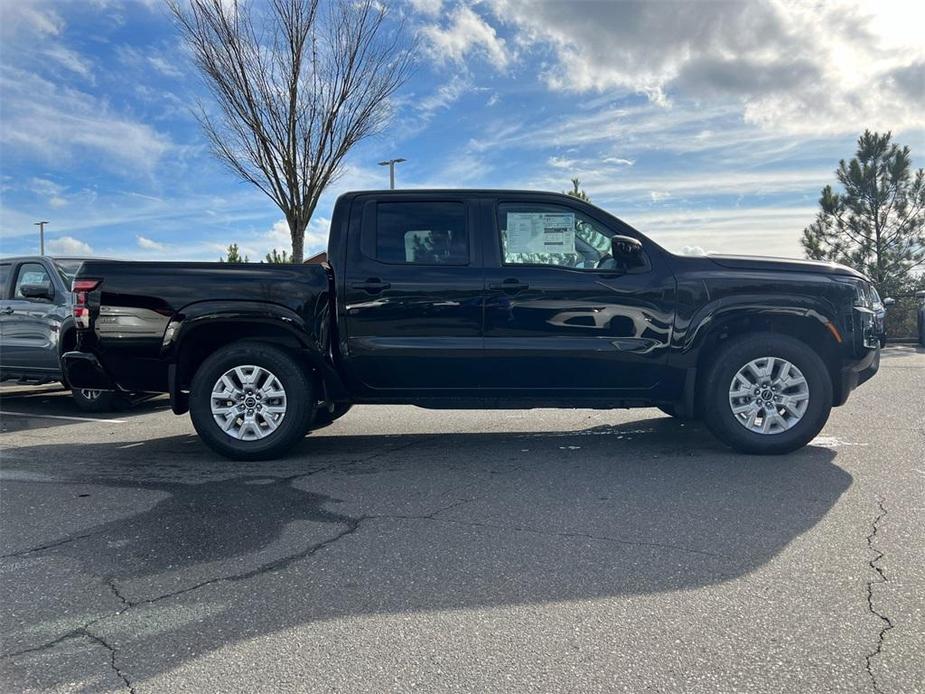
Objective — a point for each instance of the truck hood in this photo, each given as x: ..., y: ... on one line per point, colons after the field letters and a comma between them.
x: 761, y: 263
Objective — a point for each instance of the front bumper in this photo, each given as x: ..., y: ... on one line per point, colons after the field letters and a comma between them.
x: 83, y: 370
x: 856, y: 373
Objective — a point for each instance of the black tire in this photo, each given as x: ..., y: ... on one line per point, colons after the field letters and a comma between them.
x: 89, y: 400
x: 294, y: 380
x: 718, y: 414
x: 324, y: 417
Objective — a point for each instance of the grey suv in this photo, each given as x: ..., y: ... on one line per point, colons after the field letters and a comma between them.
x: 37, y: 325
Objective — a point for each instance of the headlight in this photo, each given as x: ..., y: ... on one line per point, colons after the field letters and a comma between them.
x: 863, y: 292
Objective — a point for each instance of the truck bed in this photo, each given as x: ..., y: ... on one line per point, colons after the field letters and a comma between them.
x: 141, y: 311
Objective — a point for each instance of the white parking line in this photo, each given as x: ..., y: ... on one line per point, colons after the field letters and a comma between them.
x: 55, y: 416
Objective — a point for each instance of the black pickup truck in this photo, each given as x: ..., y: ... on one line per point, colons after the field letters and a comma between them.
x: 479, y: 299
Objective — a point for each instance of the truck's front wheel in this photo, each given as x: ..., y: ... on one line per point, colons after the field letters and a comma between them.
x: 767, y: 393
x: 250, y: 401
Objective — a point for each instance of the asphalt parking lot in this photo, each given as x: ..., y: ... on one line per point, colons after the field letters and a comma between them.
x: 402, y: 549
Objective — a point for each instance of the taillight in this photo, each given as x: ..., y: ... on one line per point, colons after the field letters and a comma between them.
x: 82, y: 289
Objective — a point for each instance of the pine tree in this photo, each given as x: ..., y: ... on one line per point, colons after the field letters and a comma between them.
x: 279, y: 256
x: 576, y: 191
x: 234, y: 255
x: 877, y: 225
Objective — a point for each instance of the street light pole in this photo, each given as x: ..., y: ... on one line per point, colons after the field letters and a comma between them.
x: 391, y: 164
x: 41, y: 226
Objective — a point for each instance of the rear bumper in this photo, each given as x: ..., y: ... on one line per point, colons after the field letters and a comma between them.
x: 855, y: 373
x: 83, y: 370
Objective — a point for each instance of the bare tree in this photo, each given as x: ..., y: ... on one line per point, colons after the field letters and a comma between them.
x: 297, y: 83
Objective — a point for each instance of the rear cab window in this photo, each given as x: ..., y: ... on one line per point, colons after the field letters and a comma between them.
x: 422, y: 233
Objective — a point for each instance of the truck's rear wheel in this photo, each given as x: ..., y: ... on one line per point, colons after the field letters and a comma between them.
x: 767, y: 393
x: 250, y: 401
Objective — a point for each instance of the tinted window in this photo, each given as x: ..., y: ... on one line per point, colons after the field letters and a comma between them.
x: 537, y: 234
x: 31, y: 273
x: 4, y: 279
x: 68, y: 267
x: 425, y: 233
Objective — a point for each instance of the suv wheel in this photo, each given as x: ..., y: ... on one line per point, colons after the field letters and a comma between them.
x: 767, y: 393
x: 250, y: 401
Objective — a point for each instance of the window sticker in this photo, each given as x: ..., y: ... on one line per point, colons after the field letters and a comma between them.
x: 540, y: 232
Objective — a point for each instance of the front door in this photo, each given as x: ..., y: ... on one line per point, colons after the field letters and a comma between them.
x: 412, y: 298
x: 561, y: 315
x: 31, y: 326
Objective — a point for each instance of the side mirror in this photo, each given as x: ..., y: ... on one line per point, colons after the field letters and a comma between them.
x: 626, y: 251
x: 37, y: 291
x: 889, y: 301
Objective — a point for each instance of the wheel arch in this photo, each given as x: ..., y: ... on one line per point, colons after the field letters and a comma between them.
x: 809, y: 327
x: 192, y: 339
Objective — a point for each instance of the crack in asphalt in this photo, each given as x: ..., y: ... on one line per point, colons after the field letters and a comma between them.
x: 881, y: 578
x: 112, y: 657
x: 83, y: 632
x: 42, y: 548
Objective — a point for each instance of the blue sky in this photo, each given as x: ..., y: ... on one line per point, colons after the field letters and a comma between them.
x: 703, y: 124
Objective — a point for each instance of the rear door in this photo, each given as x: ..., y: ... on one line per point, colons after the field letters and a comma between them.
x: 561, y: 316
x: 411, y: 304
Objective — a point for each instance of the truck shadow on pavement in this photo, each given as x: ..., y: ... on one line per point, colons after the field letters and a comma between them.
x: 378, y: 524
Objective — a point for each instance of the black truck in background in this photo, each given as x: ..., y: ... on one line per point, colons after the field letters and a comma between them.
x: 479, y: 299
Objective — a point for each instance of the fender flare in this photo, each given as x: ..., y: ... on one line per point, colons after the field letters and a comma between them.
x: 714, y: 317
x: 308, y: 340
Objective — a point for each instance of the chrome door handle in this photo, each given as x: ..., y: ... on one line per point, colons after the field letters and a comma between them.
x: 6, y: 310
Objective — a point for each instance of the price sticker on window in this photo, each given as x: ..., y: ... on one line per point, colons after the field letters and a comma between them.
x: 540, y: 232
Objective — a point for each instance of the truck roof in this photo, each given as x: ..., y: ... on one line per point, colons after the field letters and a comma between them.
x: 462, y: 191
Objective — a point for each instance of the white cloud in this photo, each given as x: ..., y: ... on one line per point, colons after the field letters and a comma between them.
x: 17, y: 18
x: 68, y: 245
x: 163, y: 66
x: 793, y: 67
x: 316, y: 238
x: 51, y: 192
x: 431, y: 8
x: 71, y: 60
x: 149, y: 244
x: 445, y: 96
x: 53, y: 122
x: 465, y: 32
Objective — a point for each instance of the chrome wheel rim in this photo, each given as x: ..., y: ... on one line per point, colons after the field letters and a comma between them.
x: 90, y: 394
x: 248, y: 402
x: 768, y: 395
